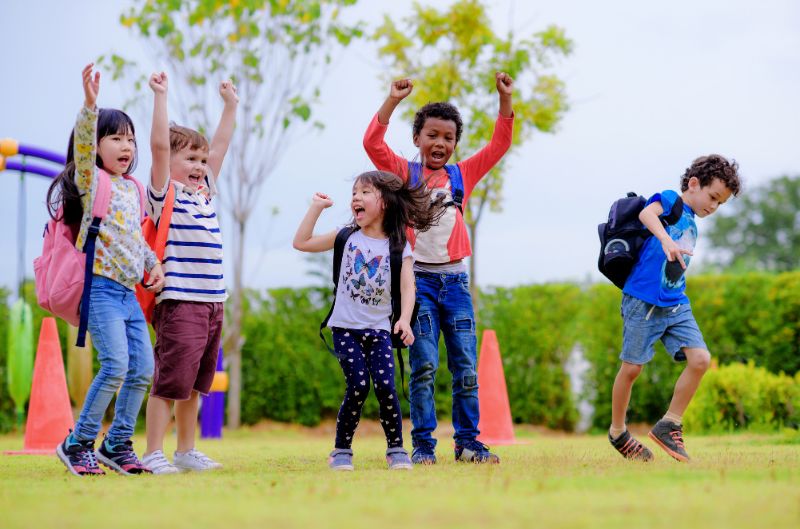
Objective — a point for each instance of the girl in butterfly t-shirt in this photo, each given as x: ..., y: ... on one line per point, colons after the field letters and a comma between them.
x: 383, y: 206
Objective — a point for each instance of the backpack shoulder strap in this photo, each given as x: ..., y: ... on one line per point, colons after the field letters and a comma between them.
x: 414, y: 173
x: 102, y: 197
x: 395, y: 266
x: 456, y: 185
x: 338, y: 253
x: 675, y: 213
x: 162, y: 228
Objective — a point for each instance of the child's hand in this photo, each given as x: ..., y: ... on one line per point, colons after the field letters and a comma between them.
x: 400, y: 89
x: 404, y: 329
x: 156, y: 279
x: 321, y: 200
x: 158, y: 83
x: 504, y: 82
x: 673, y: 252
x: 227, y: 90
x: 91, y: 86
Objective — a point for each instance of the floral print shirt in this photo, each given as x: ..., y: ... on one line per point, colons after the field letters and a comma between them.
x: 121, y: 252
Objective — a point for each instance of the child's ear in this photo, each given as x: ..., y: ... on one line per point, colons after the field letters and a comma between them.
x: 416, y: 140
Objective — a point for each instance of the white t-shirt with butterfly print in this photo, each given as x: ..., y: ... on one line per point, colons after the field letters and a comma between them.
x: 364, y: 298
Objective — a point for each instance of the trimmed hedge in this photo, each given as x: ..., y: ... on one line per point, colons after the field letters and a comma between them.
x: 743, y: 396
x: 754, y: 318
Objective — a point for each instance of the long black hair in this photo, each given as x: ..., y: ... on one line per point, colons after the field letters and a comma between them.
x: 63, y: 193
x: 404, y: 206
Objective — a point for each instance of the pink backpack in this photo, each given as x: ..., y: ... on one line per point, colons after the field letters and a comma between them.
x: 63, y: 274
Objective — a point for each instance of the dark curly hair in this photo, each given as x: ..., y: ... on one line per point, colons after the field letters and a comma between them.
x: 440, y: 110
x: 707, y: 168
x: 404, y: 206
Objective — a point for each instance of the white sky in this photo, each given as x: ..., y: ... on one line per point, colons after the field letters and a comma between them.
x: 652, y: 85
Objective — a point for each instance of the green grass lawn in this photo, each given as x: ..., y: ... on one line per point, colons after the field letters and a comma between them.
x: 276, y: 477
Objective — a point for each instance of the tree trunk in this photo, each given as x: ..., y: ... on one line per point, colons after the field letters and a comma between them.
x: 233, y: 330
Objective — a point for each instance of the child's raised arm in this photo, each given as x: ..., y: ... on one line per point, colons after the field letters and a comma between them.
x: 398, y: 91
x: 304, y: 239
x: 85, y: 141
x: 224, y: 133
x: 159, y: 134
x: 505, y: 87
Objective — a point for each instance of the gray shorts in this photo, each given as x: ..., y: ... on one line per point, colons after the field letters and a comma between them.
x: 644, y: 323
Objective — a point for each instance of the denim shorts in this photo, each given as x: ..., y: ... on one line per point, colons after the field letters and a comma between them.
x: 644, y: 323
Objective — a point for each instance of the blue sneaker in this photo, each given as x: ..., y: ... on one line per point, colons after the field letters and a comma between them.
x: 341, y: 459
x: 423, y: 454
x: 121, y: 458
x: 79, y: 457
x: 475, y: 452
x: 397, y: 459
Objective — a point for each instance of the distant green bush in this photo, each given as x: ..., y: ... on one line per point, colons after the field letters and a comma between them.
x: 743, y: 396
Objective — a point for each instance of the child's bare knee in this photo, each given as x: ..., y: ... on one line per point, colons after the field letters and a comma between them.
x: 698, y: 359
x: 630, y: 371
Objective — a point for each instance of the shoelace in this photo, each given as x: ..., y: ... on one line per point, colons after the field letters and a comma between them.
x: 632, y: 448
x: 87, y: 459
x: 677, y: 436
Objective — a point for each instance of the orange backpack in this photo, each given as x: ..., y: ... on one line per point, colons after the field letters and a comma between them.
x: 156, y: 237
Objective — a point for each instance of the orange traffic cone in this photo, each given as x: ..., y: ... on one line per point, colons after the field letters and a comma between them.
x: 49, y: 411
x: 495, y: 424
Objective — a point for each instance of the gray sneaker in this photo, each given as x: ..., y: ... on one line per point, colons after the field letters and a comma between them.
x: 341, y: 459
x: 397, y: 459
x: 159, y: 464
x: 194, y: 460
x: 630, y: 448
x: 669, y: 436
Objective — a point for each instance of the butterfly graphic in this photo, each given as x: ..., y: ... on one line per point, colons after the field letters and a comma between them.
x: 379, y: 292
x: 354, y: 295
x: 358, y: 283
x: 375, y: 301
x: 368, y: 291
x: 351, y: 247
x: 371, y: 265
x: 380, y: 280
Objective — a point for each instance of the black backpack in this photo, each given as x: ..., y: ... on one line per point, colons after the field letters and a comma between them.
x: 395, y: 264
x: 622, y: 237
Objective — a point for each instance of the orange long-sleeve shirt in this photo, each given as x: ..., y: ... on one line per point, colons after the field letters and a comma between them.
x: 448, y: 240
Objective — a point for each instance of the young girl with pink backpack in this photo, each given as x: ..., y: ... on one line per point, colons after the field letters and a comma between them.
x: 103, y: 206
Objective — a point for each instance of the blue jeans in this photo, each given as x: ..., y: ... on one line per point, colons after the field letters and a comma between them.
x: 446, y: 305
x: 119, y: 333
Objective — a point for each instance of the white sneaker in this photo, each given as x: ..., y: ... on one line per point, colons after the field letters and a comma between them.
x: 159, y: 464
x: 195, y: 460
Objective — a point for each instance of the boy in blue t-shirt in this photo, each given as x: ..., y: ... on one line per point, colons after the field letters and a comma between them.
x: 655, y: 306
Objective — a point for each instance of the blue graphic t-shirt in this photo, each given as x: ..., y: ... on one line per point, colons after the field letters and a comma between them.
x: 653, y: 278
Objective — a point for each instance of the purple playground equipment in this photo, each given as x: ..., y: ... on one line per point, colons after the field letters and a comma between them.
x: 10, y: 147
x: 212, y: 409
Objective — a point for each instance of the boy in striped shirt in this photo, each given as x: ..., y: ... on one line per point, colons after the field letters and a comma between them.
x: 189, y: 310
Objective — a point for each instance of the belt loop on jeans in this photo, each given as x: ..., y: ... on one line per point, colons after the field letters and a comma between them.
x: 676, y: 308
x: 650, y: 312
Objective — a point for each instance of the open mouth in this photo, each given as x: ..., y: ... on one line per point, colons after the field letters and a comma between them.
x: 437, y: 156
x: 358, y: 212
x: 124, y: 160
x: 194, y: 179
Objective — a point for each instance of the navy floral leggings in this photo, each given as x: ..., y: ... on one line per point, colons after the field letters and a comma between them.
x: 365, y: 353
